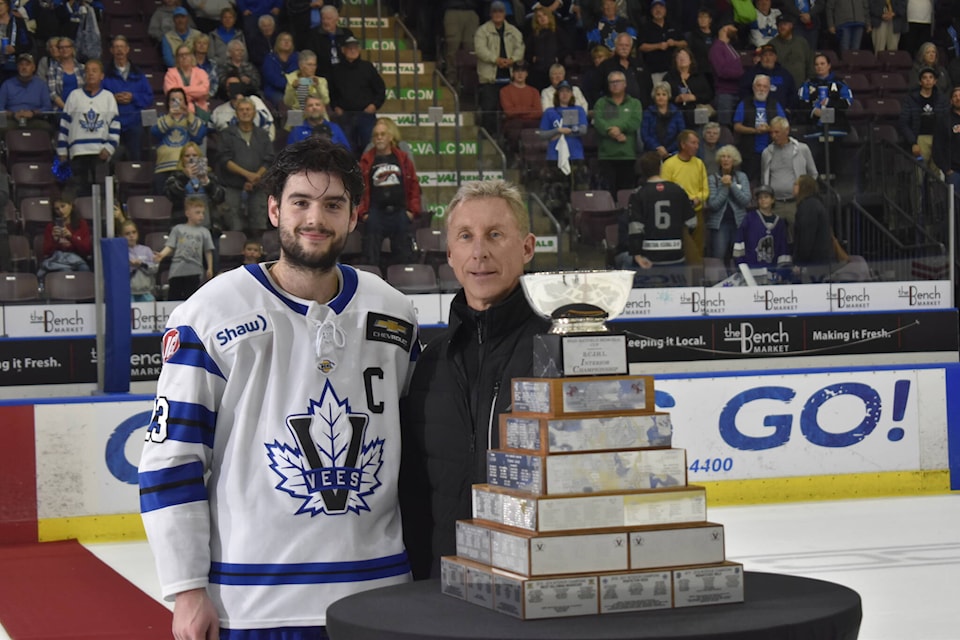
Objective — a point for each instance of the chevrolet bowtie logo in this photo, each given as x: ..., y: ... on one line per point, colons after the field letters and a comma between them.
x: 389, y: 325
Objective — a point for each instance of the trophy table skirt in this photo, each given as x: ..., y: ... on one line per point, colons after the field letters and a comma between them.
x: 775, y: 607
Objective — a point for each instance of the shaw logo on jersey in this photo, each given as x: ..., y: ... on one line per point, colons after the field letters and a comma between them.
x: 328, y: 465
x: 254, y: 325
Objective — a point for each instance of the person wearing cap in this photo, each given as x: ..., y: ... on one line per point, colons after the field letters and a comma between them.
x: 356, y: 93
x: 888, y: 19
x: 226, y: 114
x: 520, y: 104
x: 919, y: 111
x: 762, y: 235
x: 764, y: 26
x: 498, y: 44
x: 161, y: 20
x: 24, y: 96
x: 133, y: 93
x: 782, y: 86
x: 751, y: 121
x: 783, y: 161
x: 181, y: 34
x: 794, y: 53
x: 946, y: 143
x: 657, y: 39
x: 609, y: 25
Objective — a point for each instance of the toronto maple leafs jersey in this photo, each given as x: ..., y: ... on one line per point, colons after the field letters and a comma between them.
x: 269, y: 471
x: 89, y: 123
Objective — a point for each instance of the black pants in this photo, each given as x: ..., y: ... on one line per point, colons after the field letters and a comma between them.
x: 390, y: 224
x: 86, y: 171
x: 619, y: 174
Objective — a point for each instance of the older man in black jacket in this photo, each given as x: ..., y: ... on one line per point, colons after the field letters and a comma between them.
x: 356, y: 93
x: 462, y: 381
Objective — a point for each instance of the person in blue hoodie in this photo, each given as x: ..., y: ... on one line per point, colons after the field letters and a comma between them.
x: 132, y: 90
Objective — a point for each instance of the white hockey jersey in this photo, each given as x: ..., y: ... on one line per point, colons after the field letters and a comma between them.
x: 89, y: 123
x: 269, y: 472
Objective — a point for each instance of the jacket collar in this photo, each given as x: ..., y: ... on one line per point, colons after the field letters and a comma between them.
x: 500, y: 319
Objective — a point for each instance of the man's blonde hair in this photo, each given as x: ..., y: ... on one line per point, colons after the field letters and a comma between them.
x: 493, y: 189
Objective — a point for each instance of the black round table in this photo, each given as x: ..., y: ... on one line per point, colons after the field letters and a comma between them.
x: 775, y: 607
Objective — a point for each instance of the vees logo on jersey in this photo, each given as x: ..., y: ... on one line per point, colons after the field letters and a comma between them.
x: 390, y: 330
x: 328, y: 466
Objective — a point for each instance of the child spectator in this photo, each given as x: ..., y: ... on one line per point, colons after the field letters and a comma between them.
x: 762, y: 236
x: 143, y: 269
x: 66, y: 240
x: 252, y: 252
x: 191, y: 246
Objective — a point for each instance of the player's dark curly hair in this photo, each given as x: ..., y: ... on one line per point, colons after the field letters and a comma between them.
x: 314, y: 154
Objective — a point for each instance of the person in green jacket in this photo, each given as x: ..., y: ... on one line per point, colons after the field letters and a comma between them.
x: 617, y: 117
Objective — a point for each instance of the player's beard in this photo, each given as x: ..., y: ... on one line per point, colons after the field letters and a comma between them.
x: 321, y: 260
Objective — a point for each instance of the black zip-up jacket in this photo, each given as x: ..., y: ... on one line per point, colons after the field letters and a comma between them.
x: 459, y: 388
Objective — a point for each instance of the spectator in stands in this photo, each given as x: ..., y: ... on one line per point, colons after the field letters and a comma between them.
x: 143, y: 268
x: 546, y: 46
x: 888, y: 18
x: 252, y: 252
x: 252, y: 10
x: 173, y: 130
x: 805, y: 14
x: 161, y: 21
x: 920, y: 20
x: 781, y: 163
x: 52, y: 54
x: 918, y: 116
x: 782, y: 87
x: 812, y: 231
x: 567, y: 119
x: 191, y: 246
x: 762, y: 235
x: 764, y: 26
x: 181, y: 34
x: 315, y: 123
x: 224, y: 34
x: 133, y: 93
x: 688, y: 171
x: 460, y: 21
x: 700, y: 40
x: 24, y: 96
x: 498, y: 45
x: 89, y: 129
x: 639, y: 81
x: 751, y: 121
x: 652, y: 238
x: 245, y: 154
x: 727, y: 202
x: 520, y: 104
x: 847, y: 19
x: 260, y: 43
x: 278, y: 64
x: 557, y: 75
x: 662, y: 122
x: 305, y: 82
x: 64, y: 74
x: 824, y: 90
x: 70, y: 14
x: 237, y: 66
x: 226, y: 114
x: 208, y: 12
x: 928, y: 57
x: 709, y: 145
x: 946, y: 143
x: 727, y: 70
x: 658, y: 39
x: 327, y: 39
x: 201, y: 47
x: 617, y: 119
x: 192, y: 79
x: 397, y: 139
x: 67, y: 245
x: 357, y: 92
x: 390, y: 200
x: 593, y: 80
x: 18, y: 37
x: 689, y: 88
x: 793, y: 53
x: 609, y: 25
x: 194, y: 179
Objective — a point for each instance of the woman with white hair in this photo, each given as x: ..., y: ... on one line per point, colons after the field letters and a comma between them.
x: 727, y: 203
x: 662, y: 122
x: 305, y: 82
x: 237, y: 66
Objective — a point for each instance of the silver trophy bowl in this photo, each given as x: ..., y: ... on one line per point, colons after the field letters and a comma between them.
x: 578, y: 301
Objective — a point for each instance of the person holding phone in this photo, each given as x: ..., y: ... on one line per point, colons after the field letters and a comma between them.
x: 305, y: 82
x: 192, y: 177
x: 172, y: 131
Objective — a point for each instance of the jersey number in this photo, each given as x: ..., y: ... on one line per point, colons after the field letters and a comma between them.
x: 157, y: 430
x: 661, y: 214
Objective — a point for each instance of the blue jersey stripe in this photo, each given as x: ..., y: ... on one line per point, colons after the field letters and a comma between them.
x: 192, y: 354
x: 349, y: 289
x: 261, y: 277
x: 309, y: 573
x: 173, y: 486
x: 190, y: 422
